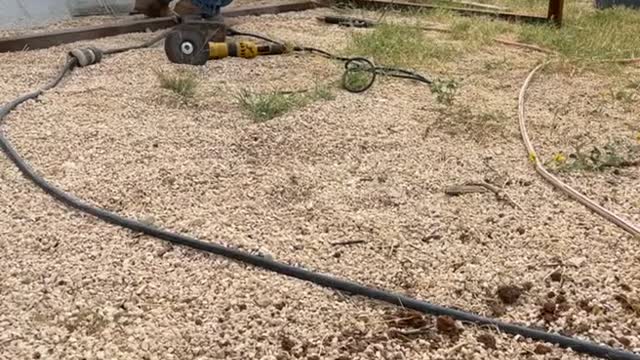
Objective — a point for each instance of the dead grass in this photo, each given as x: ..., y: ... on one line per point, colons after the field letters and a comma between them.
x: 462, y: 120
x: 497, y: 64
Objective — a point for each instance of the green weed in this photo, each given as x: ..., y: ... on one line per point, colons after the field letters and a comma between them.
x: 589, y: 35
x: 399, y: 45
x: 263, y: 107
x: 614, y: 154
x: 266, y: 106
x: 322, y: 93
x: 182, y: 82
x: 445, y: 90
x: 586, y: 35
x: 356, y: 80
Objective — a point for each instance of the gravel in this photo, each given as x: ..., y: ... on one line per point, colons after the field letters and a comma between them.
x: 369, y: 167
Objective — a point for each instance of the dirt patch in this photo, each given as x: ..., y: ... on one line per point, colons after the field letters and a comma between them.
x: 509, y: 294
x: 489, y: 341
x: 542, y: 349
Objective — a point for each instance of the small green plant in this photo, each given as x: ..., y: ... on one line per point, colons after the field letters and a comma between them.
x: 323, y: 93
x: 612, y: 155
x: 182, y: 82
x: 356, y: 80
x: 266, y: 106
x: 586, y: 34
x: 445, y: 91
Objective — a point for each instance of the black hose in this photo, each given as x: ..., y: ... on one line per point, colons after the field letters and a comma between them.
x: 234, y: 32
x: 377, y: 70
x: 145, y: 44
x: 577, y: 345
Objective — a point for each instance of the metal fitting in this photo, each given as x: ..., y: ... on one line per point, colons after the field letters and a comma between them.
x: 86, y: 56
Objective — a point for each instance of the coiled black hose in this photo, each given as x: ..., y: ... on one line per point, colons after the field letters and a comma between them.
x: 70, y: 200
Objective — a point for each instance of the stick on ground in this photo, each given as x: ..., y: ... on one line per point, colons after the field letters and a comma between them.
x: 482, y: 187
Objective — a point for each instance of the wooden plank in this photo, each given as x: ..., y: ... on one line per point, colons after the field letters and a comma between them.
x: 45, y: 40
x: 403, y: 5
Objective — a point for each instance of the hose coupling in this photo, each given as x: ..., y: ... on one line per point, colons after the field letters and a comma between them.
x: 86, y: 56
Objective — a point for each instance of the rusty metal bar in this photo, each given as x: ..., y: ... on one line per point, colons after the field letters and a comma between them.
x: 402, y: 5
x: 45, y: 40
x: 556, y: 8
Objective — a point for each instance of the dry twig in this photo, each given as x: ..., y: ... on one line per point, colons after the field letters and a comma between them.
x: 350, y: 242
x: 481, y: 187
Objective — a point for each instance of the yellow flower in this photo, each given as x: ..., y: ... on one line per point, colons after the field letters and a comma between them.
x: 532, y: 157
x: 559, y: 158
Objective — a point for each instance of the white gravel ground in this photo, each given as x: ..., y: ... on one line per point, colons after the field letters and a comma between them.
x: 368, y: 167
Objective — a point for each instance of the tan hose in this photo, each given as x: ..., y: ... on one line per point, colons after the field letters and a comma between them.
x: 557, y: 183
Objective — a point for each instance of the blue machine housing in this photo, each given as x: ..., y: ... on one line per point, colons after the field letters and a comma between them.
x: 209, y: 8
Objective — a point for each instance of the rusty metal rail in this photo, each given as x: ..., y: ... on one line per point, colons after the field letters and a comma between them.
x: 54, y: 38
x: 555, y: 10
x: 45, y: 40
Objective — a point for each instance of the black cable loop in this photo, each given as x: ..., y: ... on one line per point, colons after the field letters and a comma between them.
x: 377, y: 70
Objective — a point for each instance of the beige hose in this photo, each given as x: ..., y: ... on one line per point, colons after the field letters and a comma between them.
x: 557, y: 183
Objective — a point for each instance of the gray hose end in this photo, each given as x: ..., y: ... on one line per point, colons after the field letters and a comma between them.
x: 86, y: 56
